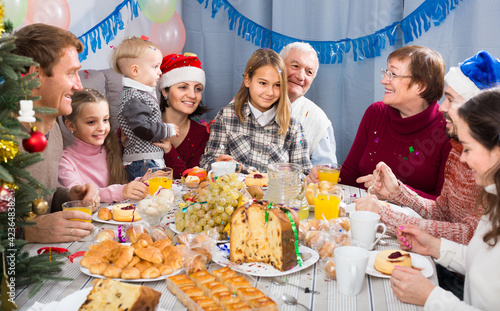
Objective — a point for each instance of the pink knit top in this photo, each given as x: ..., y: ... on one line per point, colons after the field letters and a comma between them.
x: 452, y: 216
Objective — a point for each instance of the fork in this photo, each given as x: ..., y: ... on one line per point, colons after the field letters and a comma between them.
x: 370, y: 188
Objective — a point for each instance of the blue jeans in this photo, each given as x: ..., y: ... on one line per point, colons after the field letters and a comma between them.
x: 139, y: 168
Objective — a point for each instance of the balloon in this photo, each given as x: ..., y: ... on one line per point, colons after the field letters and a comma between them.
x: 170, y: 36
x: 51, y: 12
x: 15, y: 11
x: 158, y: 11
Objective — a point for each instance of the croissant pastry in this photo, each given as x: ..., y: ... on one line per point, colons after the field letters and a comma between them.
x: 98, y: 268
x: 143, y: 265
x: 150, y: 273
x: 165, y: 269
x: 122, y: 256
x: 161, y: 244
x: 112, y: 272
x: 130, y: 273
x: 135, y: 260
x: 151, y: 254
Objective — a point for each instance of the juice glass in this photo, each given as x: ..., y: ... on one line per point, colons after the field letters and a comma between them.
x: 159, y: 176
x: 329, y: 172
x: 78, y: 205
x: 326, y: 203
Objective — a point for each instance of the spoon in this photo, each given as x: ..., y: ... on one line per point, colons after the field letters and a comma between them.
x: 289, y: 300
x: 306, y: 290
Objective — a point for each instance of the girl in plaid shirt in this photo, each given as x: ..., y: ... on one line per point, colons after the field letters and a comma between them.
x: 256, y: 128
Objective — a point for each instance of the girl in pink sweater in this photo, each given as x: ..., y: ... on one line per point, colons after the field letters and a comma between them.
x: 95, y: 156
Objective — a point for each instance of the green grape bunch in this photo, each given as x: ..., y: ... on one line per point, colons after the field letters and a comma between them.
x: 213, y: 207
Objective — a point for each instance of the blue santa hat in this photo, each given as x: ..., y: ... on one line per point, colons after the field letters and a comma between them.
x: 481, y: 71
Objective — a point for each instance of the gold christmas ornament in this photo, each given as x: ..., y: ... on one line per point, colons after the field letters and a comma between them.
x: 40, y: 206
x: 8, y: 150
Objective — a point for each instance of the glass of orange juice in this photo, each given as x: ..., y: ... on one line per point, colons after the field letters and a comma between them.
x: 326, y: 203
x: 78, y: 205
x: 329, y: 172
x: 159, y: 176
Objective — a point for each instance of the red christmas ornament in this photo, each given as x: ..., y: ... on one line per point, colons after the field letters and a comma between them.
x: 36, y: 143
x: 6, y: 198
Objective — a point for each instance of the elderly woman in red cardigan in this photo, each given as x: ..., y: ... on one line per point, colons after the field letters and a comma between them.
x: 405, y: 130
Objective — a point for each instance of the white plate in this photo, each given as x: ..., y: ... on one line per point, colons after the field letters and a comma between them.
x: 174, y: 229
x: 265, y: 270
x: 162, y: 277
x: 96, y: 218
x: 396, y: 208
x: 417, y: 261
x: 73, y: 301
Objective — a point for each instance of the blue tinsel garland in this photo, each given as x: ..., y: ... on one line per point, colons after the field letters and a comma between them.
x: 329, y: 52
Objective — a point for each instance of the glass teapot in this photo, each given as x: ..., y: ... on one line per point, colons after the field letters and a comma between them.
x: 287, y: 185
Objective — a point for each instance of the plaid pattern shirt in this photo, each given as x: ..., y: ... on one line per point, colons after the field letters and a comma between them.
x: 254, y: 145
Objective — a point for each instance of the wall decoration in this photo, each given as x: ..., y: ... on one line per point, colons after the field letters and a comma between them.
x: 431, y: 12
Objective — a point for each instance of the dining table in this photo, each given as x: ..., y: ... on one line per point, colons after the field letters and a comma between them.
x: 376, y: 293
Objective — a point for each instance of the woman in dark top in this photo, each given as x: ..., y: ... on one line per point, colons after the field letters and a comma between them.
x: 182, y: 84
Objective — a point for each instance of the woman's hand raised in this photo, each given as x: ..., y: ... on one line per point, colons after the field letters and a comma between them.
x: 386, y: 183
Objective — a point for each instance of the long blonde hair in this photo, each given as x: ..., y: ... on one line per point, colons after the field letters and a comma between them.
x: 116, y: 172
x: 261, y: 58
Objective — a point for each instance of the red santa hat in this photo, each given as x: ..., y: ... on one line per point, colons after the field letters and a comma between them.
x: 178, y: 68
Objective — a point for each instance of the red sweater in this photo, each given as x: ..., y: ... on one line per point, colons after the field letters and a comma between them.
x: 452, y: 216
x: 415, y: 148
x: 188, y: 153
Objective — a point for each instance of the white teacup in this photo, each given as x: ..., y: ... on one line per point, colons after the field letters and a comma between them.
x: 364, y: 225
x: 222, y: 168
x: 350, y: 266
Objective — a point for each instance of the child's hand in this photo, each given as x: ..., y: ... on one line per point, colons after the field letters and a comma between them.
x: 176, y: 130
x: 135, y: 190
x: 224, y: 158
x: 165, y: 145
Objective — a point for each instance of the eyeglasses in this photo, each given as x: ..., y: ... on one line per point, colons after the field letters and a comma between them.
x: 390, y: 75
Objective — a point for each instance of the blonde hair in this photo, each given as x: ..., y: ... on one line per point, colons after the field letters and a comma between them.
x: 129, y: 50
x: 261, y: 58
x: 116, y: 172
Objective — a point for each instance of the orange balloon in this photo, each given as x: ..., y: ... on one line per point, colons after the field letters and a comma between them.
x: 169, y: 36
x: 50, y: 12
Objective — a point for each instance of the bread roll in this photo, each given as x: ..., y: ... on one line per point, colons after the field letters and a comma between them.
x: 104, y: 234
x: 134, y: 231
x: 104, y: 213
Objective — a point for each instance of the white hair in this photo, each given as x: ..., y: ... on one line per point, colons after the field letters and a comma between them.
x: 303, y: 47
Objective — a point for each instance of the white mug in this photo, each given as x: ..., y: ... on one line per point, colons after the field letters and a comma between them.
x: 350, y: 266
x: 364, y: 225
x: 222, y: 168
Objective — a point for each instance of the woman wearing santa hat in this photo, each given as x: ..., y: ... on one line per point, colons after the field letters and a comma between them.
x: 182, y: 83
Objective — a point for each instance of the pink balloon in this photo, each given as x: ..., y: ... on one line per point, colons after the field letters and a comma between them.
x: 51, y: 12
x: 169, y: 36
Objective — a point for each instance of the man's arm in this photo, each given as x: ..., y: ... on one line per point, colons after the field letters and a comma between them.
x: 325, y: 152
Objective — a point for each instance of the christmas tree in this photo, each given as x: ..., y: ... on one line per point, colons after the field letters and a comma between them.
x: 18, y: 189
